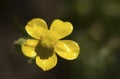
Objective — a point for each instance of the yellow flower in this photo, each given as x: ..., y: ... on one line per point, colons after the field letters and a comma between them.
x: 46, y: 43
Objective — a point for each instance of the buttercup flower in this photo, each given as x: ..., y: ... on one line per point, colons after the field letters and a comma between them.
x: 45, y: 43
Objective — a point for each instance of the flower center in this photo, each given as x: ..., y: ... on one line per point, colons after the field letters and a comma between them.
x: 45, y: 47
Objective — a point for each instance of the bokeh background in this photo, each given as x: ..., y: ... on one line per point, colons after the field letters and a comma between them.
x: 96, y: 29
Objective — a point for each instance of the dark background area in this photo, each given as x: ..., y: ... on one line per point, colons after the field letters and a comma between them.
x: 96, y: 29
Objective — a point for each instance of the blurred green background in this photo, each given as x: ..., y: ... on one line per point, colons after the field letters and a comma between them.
x: 96, y: 29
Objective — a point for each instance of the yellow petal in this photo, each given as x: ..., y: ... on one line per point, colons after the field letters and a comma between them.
x: 61, y: 29
x: 67, y: 49
x: 47, y: 64
x: 36, y: 27
x: 28, y: 48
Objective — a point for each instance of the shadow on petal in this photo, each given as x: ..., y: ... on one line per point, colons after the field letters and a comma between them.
x: 44, y: 52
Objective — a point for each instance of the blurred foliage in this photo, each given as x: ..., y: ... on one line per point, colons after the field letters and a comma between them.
x: 97, y: 24
x: 96, y: 28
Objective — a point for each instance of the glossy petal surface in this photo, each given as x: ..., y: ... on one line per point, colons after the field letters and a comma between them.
x: 61, y: 29
x: 46, y: 64
x: 67, y: 49
x: 36, y: 27
x: 28, y: 48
